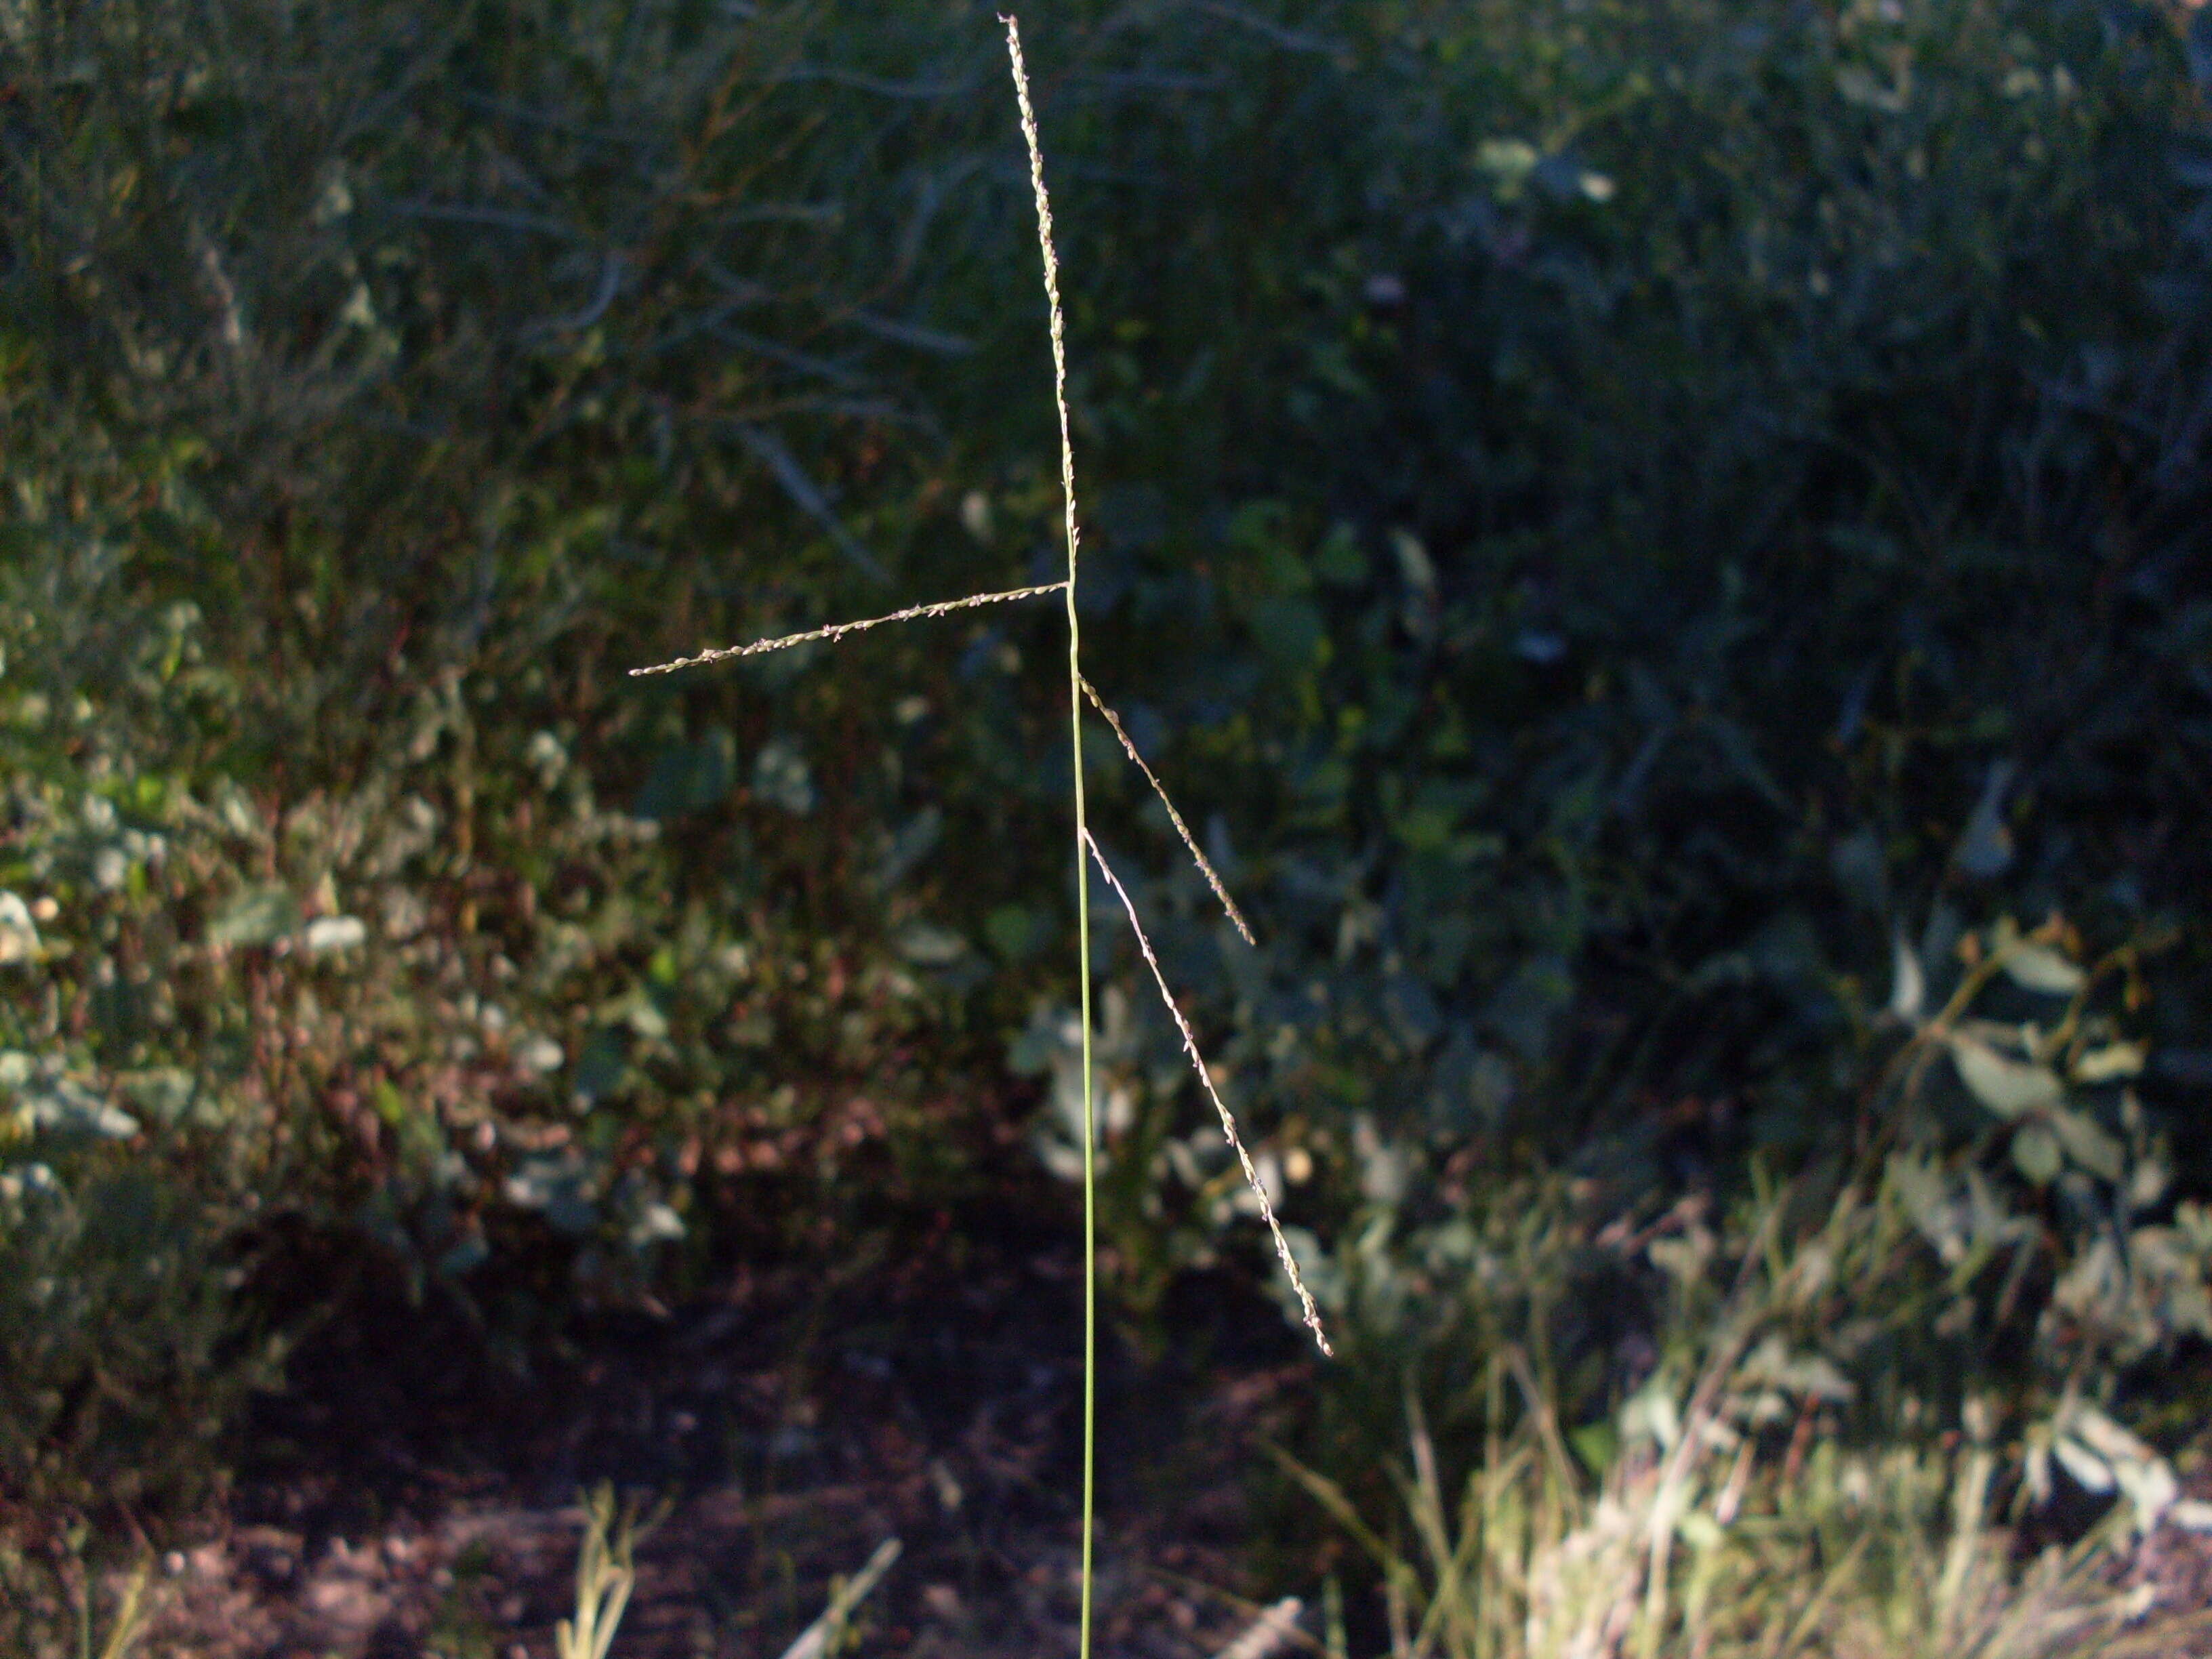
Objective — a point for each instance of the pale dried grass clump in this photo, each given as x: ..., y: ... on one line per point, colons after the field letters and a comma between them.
x: 1699, y: 1542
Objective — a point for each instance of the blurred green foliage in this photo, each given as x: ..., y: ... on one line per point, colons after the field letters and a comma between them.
x: 1633, y: 529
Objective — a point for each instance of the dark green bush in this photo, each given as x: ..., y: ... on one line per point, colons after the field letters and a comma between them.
x: 1615, y: 516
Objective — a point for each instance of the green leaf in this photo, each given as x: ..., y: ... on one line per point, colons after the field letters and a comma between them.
x: 2037, y: 1155
x: 328, y: 933
x: 388, y: 1103
x: 930, y: 946
x: 1339, y: 561
x: 599, y: 1069
x: 1012, y: 932
x: 690, y: 777
x: 2093, y: 1474
x: 2008, y: 1087
x: 781, y: 777
x: 2114, y: 1059
x: 2087, y: 1144
x: 1908, y: 985
x: 164, y: 1090
x: 2039, y: 968
x: 260, y: 915
x: 1596, y: 1445
x: 1287, y: 630
x: 19, y: 933
x: 464, y: 1257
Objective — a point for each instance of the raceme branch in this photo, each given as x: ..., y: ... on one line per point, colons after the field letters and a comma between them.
x: 838, y: 630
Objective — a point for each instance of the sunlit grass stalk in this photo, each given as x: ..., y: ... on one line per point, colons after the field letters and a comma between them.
x: 1075, y: 684
x: 1086, y: 849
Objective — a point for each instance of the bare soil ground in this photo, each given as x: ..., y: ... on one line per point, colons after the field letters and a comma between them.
x: 405, y: 1498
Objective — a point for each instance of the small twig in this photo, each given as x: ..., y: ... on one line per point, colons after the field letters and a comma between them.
x: 611, y: 276
x: 838, y: 630
x: 1312, y: 1317
x: 1189, y: 841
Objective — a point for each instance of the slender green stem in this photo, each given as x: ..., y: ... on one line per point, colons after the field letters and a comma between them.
x: 1090, y: 1107
x: 1075, y: 686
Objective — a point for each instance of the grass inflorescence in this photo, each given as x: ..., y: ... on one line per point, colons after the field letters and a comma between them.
x: 1086, y: 849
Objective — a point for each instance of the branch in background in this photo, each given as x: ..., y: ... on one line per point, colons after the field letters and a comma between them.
x: 771, y: 451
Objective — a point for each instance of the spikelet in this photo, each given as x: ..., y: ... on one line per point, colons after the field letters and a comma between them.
x: 1309, y: 1313
x: 838, y: 630
x: 1190, y: 841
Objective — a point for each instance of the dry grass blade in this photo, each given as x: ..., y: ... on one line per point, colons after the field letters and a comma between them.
x: 1309, y: 1312
x: 1189, y: 842
x: 131, y: 1616
x: 606, y: 1573
x: 825, y: 1635
x: 1275, y: 1629
x: 838, y: 630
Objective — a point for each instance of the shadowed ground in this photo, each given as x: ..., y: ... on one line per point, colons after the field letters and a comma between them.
x: 792, y: 1431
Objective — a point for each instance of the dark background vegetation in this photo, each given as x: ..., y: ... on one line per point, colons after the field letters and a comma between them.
x: 1636, y: 530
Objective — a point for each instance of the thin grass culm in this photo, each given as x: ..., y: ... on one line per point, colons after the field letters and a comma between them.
x: 1308, y: 1312
x: 596, y: 1618
x: 1051, y: 257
